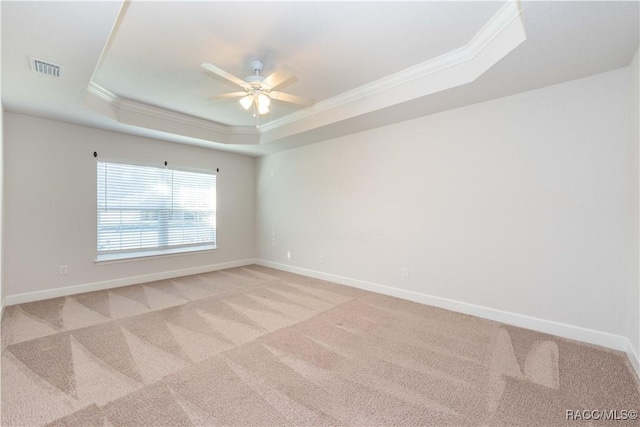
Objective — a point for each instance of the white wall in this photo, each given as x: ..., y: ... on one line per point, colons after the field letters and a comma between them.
x: 518, y: 204
x: 633, y: 299
x: 50, y: 197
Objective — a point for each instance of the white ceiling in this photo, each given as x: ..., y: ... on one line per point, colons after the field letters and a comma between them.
x: 151, y: 61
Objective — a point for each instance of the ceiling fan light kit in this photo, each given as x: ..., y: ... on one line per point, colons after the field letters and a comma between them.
x: 258, y: 89
x: 246, y: 102
x: 263, y: 102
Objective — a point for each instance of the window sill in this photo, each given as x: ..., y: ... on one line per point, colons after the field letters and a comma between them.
x: 153, y: 254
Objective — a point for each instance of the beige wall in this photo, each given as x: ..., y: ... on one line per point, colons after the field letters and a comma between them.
x: 50, y: 197
x: 519, y: 205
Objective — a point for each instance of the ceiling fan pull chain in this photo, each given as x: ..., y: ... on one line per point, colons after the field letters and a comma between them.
x: 255, y: 113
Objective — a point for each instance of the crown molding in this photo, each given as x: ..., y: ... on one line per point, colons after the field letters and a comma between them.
x: 510, y: 11
x: 104, y: 94
x: 125, y: 104
x: 123, y: 109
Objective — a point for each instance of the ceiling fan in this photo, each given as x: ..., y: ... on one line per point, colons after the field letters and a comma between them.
x: 258, y: 90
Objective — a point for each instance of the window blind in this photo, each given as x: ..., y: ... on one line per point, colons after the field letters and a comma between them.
x: 142, y: 208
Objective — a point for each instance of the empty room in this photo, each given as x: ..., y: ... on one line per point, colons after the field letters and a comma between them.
x: 319, y: 213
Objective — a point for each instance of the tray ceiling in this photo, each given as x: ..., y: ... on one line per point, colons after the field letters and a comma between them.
x: 155, y: 53
x: 136, y: 66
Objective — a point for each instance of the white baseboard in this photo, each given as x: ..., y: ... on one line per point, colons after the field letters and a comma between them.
x: 4, y: 303
x: 634, y: 358
x: 116, y: 283
x: 591, y: 336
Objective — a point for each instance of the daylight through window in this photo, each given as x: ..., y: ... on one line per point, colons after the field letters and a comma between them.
x: 146, y: 210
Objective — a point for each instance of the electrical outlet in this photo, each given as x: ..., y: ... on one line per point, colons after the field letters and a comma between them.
x: 405, y: 273
x: 321, y: 259
x: 288, y: 255
x: 63, y: 270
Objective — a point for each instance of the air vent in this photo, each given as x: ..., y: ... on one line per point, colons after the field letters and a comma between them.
x: 45, y: 67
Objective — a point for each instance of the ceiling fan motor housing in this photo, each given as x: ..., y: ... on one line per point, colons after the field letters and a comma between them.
x: 254, y: 79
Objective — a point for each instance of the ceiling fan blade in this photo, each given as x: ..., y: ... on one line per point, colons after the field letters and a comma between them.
x: 279, y: 76
x: 294, y: 99
x: 220, y: 72
x: 227, y: 95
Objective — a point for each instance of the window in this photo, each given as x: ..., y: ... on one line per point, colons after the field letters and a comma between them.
x: 146, y: 211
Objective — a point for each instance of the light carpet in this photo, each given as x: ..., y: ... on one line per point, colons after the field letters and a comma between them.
x: 255, y: 346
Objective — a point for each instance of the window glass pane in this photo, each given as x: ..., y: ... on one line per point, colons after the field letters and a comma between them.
x: 142, y: 207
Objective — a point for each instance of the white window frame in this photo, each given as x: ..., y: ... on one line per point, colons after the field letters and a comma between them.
x: 102, y: 207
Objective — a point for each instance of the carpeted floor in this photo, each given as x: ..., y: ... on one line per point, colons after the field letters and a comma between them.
x: 256, y: 346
